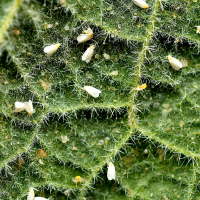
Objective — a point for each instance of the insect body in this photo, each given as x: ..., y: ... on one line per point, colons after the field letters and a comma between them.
x: 88, y: 34
x: 49, y: 50
x: 142, y: 87
x: 176, y: 64
x: 198, y: 29
x: 111, y: 175
x: 77, y: 179
x: 31, y: 195
x: 92, y: 91
x: 88, y: 54
x: 141, y: 3
x: 28, y: 106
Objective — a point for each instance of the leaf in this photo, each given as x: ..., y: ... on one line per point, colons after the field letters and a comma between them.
x: 151, y: 135
x: 8, y: 10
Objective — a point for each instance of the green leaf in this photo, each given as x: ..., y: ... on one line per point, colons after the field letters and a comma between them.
x: 151, y: 135
x: 8, y: 9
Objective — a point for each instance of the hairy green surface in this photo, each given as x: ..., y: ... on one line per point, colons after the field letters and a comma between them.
x: 152, y: 136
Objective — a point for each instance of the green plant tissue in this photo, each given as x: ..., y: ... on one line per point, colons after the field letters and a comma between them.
x: 144, y: 116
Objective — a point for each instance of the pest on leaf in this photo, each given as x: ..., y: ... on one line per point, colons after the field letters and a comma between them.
x: 141, y: 3
x: 114, y: 73
x: 88, y: 34
x: 92, y: 91
x: 176, y: 64
x: 88, y: 54
x: 184, y: 62
x: 28, y: 106
x: 41, y: 162
x: 111, y: 175
x: 41, y: 154
x: 17, y: 32
x: 77, y: 179
x: 198, y: 29
x: 106, y: 56
x: 20, y: 162
x: 40, y: 198
x: 31, y: 195
x: 101, y: 142
x: 49, y: 50
x: 142, y: 87
x: 74, y: 148
x: 64, y: 139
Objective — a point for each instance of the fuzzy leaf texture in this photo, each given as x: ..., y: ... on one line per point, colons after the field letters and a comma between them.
x: 151, y: 136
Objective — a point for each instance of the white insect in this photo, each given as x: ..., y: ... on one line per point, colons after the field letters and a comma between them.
x: 49, y: 50
x: 28, y: 106
x: 198, y: 29
x: 184, y: 62
x: 114, y: 73
x: 176, y: 64
x: 41, y: 162
x: 88, y: 54
x: 141, y: 3
x: 92, y: 91
x: 31, y: 195
x: 64, y: 139
x: 111, y: 175
x: 106, y: 56
x: 88, y: 34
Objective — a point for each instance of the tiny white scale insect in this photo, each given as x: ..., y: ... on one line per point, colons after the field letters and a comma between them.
x: 92, y: 91
x: 198, y: 29
x: 64, y: 139
x: 114, y: 73
x: 49, y: 50
x: 31, y: 195
x: 184, y: 62
x: 106, y: 56
x: 111, y: 175
x: 88, y: 54
x: 88, y: 34
x: 28, y: 106
x: 141, y: 3
x: 176, y: 64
